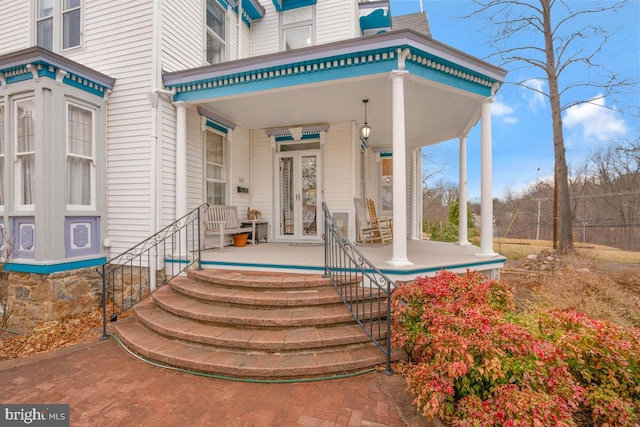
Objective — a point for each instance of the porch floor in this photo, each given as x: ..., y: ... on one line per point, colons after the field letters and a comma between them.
x: 427, y: 256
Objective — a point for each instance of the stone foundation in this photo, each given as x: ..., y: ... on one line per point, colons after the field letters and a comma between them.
x: 40, y: 297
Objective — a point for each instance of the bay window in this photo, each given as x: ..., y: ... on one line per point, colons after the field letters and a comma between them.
x: 25, y: 171
x: 80, y: 157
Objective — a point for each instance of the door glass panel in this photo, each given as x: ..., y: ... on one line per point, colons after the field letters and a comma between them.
x: 309, y: 196
x: 286, y: 196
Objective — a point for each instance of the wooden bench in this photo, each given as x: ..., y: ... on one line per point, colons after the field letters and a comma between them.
x: 222, y: 221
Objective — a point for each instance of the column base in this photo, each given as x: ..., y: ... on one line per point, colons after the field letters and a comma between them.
x: 465, y: 243
x: 491, y: 254
x: 400, y: 262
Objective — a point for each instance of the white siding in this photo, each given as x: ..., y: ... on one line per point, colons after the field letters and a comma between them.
x: 167, y: 141
x: 195, y: 151
x: 14, y: 26
x: 240, y: 170
x: 264, y: 33
x: 339, y: 185
x: 182, y: 35
x: 262, y: 178
x: 335, y: 20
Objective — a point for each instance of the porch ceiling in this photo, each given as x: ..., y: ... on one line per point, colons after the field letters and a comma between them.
x: 433, y: 113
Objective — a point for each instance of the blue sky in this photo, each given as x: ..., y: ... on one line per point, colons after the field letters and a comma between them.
x: 521, y: 119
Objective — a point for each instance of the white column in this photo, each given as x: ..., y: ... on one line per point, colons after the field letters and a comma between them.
x: 399, y: 258
x: 463, y: 236
x: 181, y: 159
x: 416, y: 206
x: 486, y: 183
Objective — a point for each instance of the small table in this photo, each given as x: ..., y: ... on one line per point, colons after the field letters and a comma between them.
x: 258, y: 230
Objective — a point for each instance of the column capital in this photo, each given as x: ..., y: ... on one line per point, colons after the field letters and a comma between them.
x: 398, y: 73
x: 180, y: 104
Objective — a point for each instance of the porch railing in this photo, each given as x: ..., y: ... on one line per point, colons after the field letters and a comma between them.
x: 364, y: 289
x: 136, y: 273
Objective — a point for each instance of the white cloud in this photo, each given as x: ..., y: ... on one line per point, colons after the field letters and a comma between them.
x: 503, y: 111
x: 594, y: 122
x: 533, y: 96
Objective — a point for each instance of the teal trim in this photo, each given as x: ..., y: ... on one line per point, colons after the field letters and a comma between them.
x: 437, y: 75
x: 275, y: 82
x: 53, y: 268
x: 418, y: 271
x: 379, y: 18
x: 282, y: 5
x: 217, y: 126
x: 337, y: 67
x: 19, y: 74
x: 251, y: 10
x: 224, y: 4
x: 310, y: 135
x: 412, y: 272
x: 386, y: 154
x: 283, y: 138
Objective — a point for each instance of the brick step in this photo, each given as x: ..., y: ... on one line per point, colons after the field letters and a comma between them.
x: 253, y: 297
x: 213, y: 360
x: 223, y: 314
x: 275, y: 340
x: 270, y: 297
x: 258, y: 279
x: 258, y: 325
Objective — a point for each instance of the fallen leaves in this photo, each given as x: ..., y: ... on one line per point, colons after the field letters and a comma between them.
x: 52, y: 335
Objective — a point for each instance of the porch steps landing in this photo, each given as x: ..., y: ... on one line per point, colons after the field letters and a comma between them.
x: 251, y: 325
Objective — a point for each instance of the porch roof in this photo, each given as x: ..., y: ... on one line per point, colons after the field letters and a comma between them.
x: 326, y: 83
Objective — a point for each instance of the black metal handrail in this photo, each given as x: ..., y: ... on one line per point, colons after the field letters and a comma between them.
x: 136, y: 273
x: 364, y: 289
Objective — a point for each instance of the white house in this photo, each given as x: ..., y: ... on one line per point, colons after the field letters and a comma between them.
x: 117, y: 117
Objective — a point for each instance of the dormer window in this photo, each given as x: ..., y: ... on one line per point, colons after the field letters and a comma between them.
x: 215, y: 37
x: 298, y: 28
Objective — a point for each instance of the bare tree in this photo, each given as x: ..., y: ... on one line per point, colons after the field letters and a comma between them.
x: 557, y: 32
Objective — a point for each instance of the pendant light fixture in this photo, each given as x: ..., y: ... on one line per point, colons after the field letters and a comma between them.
x: 365, y: 130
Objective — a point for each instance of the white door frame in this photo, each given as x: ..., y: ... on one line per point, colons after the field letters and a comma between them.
x: 296, y: 231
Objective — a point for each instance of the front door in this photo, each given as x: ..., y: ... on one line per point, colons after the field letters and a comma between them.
x: 298, y: 195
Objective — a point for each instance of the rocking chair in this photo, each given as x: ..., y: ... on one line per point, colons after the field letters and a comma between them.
x: 382, y: 222
x: 367, y: 232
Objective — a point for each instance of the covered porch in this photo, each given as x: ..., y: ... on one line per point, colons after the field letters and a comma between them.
x: 428, y: 257
x: 291, y: 123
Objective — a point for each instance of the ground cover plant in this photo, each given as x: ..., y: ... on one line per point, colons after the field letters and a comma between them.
x: 477, y: 362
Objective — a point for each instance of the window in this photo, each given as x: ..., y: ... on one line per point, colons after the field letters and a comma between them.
x: 44, y: 24
x: 80, y: 152
x: 215, y: 173
x: 215, y: 37
x: 25, y: 152
x: 296, y: 38
x: 58, y: 24
x: 70, y: 23
x: 297, y: 28
x: 1, y: 159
